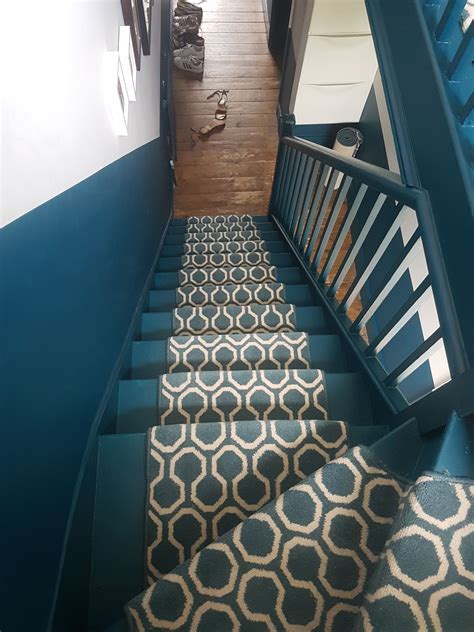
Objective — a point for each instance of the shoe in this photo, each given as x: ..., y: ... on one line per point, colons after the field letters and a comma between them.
x: 190, y: 50
x: 188, y: 8
x: 189, y: 64
x: 182, y: 39
x: 210, y: 128
x: 221, y: 110
x: 188, y: 23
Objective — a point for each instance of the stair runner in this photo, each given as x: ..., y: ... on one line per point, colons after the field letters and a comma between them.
x: 264, y: 509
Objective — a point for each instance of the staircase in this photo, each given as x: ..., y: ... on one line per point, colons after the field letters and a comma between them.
x: 251, y: 483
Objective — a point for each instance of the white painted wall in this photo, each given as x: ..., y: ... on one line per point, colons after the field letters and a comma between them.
x: 339, y: 64
x: 55, y: 129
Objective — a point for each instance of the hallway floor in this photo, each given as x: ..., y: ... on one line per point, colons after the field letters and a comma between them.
x: 232, y: 170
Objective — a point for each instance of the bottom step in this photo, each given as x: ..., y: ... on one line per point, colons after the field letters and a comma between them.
x: 119, y: 532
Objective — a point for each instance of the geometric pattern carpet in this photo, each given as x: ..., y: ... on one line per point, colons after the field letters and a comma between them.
x: 229, y: 260
x: 238, y: 352
x: 221, y: 276
x: 229, y: 235
x: 261, y: 515
x: 301, y: 563
x: 220, y: 248
x: 261, y: 293
x: 233, y: 319
x: 425, y: 577
x: 196, y: 222
x: 204, y: 479
x: 222, y: 227
x: 209, y: 396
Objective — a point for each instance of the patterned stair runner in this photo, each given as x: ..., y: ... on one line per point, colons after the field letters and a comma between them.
x: 271, y: 516
x: 238, y: 352
x: 238, y: 395
x: 302, y: 562
x: 425, y: 577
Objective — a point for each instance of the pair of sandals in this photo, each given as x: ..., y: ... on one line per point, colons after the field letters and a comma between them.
x: 218, y: 122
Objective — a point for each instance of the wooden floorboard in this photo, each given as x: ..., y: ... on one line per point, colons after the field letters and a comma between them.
x: 230, y: 172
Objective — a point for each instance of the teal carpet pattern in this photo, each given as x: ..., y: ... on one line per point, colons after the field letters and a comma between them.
x: 207, y: 220
x: 222, y: 236
x: 224, y: 276
x: 233, y: 319
x: 220, y: 248
x: 221, y: 396
x: 425, y: 577
x: 232, y: 260
x: 243, y: 496
x: 238, y: 352
x: 204, y: 479
x: 221, y: 227
x: 301, y: 563
x: 260, y: 294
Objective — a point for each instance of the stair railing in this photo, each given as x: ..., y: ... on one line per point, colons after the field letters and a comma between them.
x: 362, y: 237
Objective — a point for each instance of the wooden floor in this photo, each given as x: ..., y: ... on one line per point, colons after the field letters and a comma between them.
x: 232, y: 171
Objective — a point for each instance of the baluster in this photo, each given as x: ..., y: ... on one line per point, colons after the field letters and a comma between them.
x: 314, y: 206
x: 421, y: 354
x: 401, y: 212
x: 444, y: 19
x: 401, y: 317
x: 293, y: 189
x: 332, y: 219
x: 315, y: 174
x: 467, y: 108
x: 331, y: 183
x: 343, y: 230
x: 289, y: 183
x: 461, y: 50
x: 297, y: 191
x: 356, y: 246
x: 410, y: 251
x: 282, y: 159
x: 299, y: 208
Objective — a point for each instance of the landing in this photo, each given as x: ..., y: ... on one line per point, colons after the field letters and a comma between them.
x: 230, y: 172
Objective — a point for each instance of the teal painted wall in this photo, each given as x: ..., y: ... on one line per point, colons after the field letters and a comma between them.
x: 71, y: 274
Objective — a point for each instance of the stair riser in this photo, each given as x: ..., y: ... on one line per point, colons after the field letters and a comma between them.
x: 183, y: 221
x: 174, y: 263
x: 172, y: 240
x: 346, y: 395
x: 184, y: 230
x: 270, y: 246
x: 150, y: 360
x: 170, y: 280
x: 159, y: 326
x: 164, y: 300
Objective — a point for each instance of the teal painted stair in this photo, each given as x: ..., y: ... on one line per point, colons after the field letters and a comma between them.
x: 249, y: 485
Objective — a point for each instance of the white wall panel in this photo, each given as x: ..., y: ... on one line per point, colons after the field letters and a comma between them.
x: 55, y: 126
x: 331, y: 104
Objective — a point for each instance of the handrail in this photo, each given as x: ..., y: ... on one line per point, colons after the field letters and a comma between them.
x: 336, y: 212
x: 385, y: 181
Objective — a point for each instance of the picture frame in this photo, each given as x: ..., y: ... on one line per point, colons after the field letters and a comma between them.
x: 131, y: 18
x: 144, y: 16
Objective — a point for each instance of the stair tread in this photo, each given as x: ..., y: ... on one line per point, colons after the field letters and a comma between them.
x: 230, y: 319
x: 123, y: 481
x: 265, y: 293
x: 152, y: 358
x: 221, y: 276
x: 341, y: 396
x: 291, y: 533
x: 224, y: 236
x: 179, y: 262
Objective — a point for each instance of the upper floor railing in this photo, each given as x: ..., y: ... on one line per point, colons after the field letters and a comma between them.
x: 451, y: 27
x: 371, y: 247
